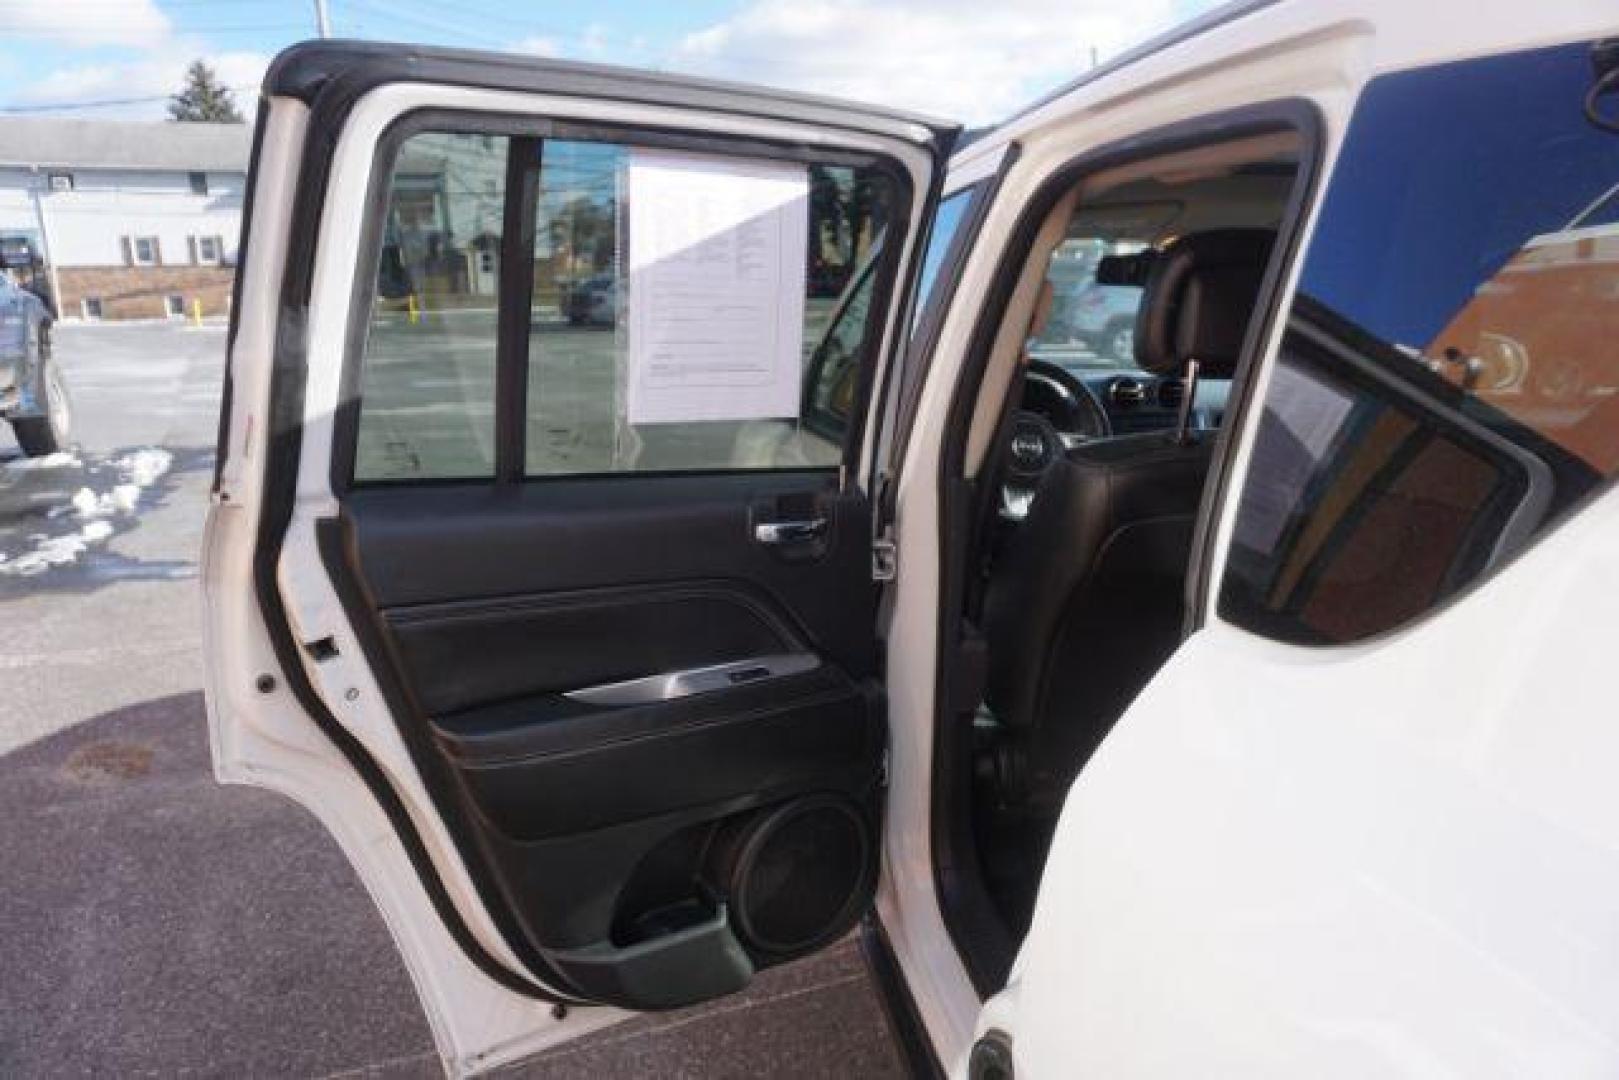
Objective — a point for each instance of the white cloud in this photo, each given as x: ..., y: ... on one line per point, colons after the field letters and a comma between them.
x: 85, y: 22
x: 158, y: 72
x: 961, y: 59
x: 538, y: 46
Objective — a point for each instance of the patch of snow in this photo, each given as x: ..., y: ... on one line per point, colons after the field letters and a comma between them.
x: 144, y: 466
x: 59, y: 460
x: 137, y: 470
x: 122, y: 499
x: 55, y: 550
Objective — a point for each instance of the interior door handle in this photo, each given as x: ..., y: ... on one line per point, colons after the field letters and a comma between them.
x: 789, y: 532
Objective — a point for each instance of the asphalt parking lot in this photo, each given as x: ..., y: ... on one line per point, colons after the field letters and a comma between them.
x: 154, y: 923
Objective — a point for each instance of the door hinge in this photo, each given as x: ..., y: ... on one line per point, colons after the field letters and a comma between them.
x: 884, y: 559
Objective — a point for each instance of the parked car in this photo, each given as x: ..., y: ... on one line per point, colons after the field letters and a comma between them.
x: 33, y: 396
x: 1104, y: 318
x: 593, y: 301
x: 1264, y: 738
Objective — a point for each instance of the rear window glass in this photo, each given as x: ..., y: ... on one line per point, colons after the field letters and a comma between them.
x: 686, y: 311
x: 1448, y: 386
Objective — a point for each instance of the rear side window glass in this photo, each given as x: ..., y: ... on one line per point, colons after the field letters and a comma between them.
x: 698, y: 312
x: 427, y: 380
x: 686, y: 310
x: 1448, y: 384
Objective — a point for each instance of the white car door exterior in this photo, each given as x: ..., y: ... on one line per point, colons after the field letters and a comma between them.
x: 1364, y: 822
x: 438, y: 535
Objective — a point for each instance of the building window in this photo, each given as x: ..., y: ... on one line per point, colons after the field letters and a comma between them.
x: 199, y: 182
x: 174, y: 305
x: 90, y: 307
x: 208, y: 249
x: 61, y: 181
x: 143, y: 251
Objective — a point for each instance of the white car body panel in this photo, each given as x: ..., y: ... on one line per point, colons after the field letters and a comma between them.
x: 267, y: 739
x: 1390, y: 858
x: 1256, y: 804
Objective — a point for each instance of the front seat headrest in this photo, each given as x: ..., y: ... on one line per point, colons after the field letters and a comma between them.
x: 1199, y: 295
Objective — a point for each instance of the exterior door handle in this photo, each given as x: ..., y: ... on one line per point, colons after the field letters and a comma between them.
x: 789, y: 532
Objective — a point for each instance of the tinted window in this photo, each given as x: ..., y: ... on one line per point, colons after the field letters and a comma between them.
x: 1449, y: 382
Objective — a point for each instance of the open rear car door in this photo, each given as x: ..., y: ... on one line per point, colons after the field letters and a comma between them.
x: 540, y: 562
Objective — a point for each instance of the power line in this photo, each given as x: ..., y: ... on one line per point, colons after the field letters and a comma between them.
x: 105, y: 103
x: 59, y: 32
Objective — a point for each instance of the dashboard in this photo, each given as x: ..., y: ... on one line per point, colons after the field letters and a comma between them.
x: 1065, y: 407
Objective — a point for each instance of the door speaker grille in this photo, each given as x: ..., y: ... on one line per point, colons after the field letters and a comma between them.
x: 802, y: 875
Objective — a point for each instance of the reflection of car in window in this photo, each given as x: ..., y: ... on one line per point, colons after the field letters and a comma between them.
x: 593, y: 301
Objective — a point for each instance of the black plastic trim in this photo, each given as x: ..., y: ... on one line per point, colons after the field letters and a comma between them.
x: 899, y: 1008
x: 971, y: 920
x: 333, y: 542
x: 515, y: 306
x: 1201, y: 571
x: 345, y: 70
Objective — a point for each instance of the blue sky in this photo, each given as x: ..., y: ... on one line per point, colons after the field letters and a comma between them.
x: 963, y: 59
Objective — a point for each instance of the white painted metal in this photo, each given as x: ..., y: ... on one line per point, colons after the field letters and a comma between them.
x: 266, y: 739
x: 1393, y: 858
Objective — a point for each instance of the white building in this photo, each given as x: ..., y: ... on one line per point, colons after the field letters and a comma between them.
x: 134, y: 219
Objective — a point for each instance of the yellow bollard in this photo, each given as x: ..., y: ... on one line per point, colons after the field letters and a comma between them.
x: 196, y: 313
x: 412, y: 315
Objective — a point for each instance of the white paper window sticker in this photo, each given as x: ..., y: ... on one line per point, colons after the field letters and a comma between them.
x: 717, y: 276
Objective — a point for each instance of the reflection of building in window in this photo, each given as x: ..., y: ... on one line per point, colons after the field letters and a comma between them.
x: 442, y: 235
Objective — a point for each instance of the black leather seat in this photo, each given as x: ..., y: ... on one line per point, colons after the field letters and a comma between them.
x: 1087, y: 600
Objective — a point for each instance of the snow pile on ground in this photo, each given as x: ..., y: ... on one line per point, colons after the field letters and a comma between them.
x: 52, y: 551
x: 136, y: 471
x: 59, y: 460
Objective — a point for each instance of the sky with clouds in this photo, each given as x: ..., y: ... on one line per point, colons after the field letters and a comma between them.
x: 963, y: 59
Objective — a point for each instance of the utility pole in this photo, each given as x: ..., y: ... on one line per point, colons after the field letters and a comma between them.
x: 323, y: 22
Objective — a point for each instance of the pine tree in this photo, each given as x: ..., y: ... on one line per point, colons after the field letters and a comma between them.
x: 203, y: 98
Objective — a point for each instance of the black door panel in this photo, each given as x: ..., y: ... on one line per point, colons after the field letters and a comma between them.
x: 501, y: 591
x: 611, y: 832
x: 550, y: 767
x: 470, y: 653
x: 427, y: 545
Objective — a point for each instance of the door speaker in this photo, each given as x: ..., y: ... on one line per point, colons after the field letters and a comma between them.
x: 800, y: 874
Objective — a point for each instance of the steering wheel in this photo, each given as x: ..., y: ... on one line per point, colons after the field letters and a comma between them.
x: 1057, y: 413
